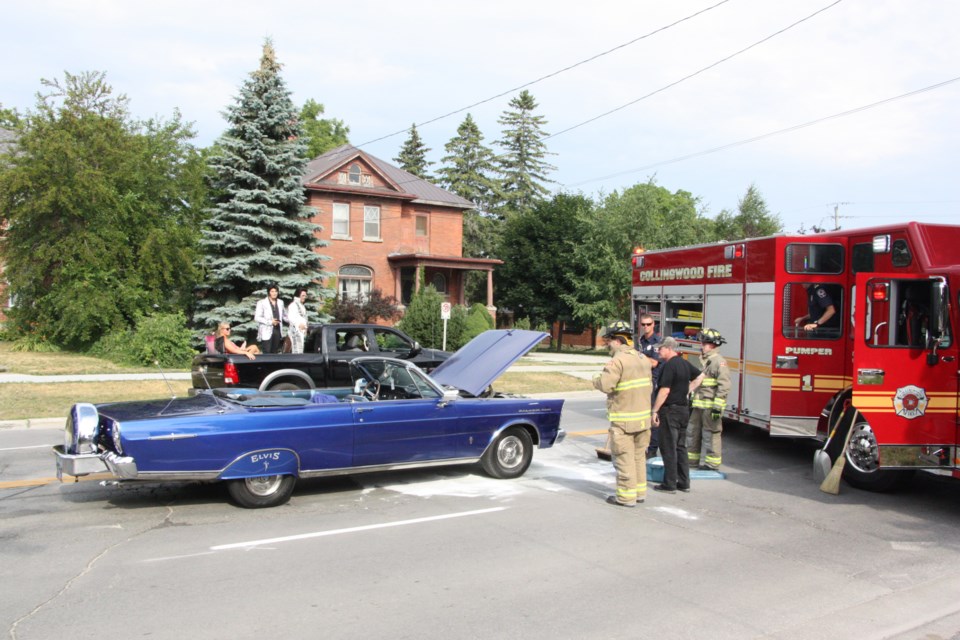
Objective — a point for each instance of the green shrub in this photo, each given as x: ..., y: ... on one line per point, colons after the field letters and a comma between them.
x: 162, y: 338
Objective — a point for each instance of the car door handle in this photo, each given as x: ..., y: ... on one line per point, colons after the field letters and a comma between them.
x: 360, y: 410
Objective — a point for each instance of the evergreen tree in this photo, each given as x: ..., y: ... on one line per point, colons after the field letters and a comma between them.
x: 752, y: 220
x: 413, y: 155
x: 321, y: 134
x: 101, y: 214
x: 523, y: 166
x: 259, y: 231
x: 421, y: 320
x: 469, y: 168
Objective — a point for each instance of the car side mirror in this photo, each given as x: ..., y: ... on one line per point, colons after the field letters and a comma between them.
x: 415, y: 350
x: 449, y: 395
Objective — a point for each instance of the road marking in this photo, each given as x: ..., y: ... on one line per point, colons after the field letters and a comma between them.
x: 35, y: 446
x: 39, y: 482
x: 334, y: 532
x: 676, y: 511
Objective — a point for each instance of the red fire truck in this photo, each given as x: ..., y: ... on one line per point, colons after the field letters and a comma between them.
x: 885, y: 364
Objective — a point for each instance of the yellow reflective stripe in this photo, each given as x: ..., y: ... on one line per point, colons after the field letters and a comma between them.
x: 720, y: 403
x: 709, y: 382
x: 693, y: 456
x: 702, y: 404
x: 627, y: 416
x: 642, y: 487
x: 627, y: 493
x: 636, y: 383
x: 713, y: 460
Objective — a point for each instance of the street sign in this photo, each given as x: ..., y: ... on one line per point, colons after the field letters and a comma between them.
x: 445, y: 310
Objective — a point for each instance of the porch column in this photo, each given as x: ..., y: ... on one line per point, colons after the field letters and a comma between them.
x: 490, y: 288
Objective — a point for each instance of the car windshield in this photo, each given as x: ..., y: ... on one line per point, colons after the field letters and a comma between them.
x: 396, y: 380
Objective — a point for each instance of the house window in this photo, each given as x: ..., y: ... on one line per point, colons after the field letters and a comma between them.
x: 355, y: 174
x: 355, y: 282
x: 439, y: 282
x: 371, y: 223
x: 421, y: 226
x: 341, y: 220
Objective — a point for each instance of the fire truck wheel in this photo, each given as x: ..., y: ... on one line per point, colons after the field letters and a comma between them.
x: 862, y: 469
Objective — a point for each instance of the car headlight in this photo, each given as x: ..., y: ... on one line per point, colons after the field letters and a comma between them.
x: 81, y: 430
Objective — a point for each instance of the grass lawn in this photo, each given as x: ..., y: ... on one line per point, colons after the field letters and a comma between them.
x: 53, y: 400
x: 59, y: 363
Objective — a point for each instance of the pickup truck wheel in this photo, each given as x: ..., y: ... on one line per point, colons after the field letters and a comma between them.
x: 261, y: 491
x: 509, y: 455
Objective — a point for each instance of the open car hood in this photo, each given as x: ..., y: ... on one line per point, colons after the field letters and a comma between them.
x: 478, y: 363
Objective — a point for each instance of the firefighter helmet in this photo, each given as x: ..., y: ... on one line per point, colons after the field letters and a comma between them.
x: 618, y: 328
x: 712, y: 336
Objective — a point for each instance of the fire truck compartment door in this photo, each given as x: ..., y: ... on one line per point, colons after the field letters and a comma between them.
x: 908, y: 396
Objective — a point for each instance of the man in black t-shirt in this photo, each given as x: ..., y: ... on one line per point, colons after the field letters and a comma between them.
x: 671, y: 412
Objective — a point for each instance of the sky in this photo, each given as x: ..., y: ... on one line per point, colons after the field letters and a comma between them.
x: 703, y: 96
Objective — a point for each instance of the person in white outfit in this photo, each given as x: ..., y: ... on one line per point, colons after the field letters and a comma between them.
x: 270, y: 315
x: 297, y: 315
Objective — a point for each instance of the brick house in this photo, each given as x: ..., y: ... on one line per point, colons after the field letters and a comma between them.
x: 383, y: 224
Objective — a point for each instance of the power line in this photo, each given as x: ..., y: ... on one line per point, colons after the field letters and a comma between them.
x: 772, y: 133
x: 549, y: 75
x: 695, y: 73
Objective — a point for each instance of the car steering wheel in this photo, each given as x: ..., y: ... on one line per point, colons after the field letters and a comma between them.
x: 372, y: 389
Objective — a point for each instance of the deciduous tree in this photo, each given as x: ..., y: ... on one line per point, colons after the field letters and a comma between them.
x: 752, y: 220
x: 321, y: 134
x: 102, y: 214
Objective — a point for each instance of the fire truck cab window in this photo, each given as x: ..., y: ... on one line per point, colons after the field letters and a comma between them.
x: 812, y: 311
x: 900, y: 254
x: 904, y: 318
x: 862, y: 258
x: 814, y: 258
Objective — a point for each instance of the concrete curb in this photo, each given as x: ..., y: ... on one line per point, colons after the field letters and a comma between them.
x: 32, y: 424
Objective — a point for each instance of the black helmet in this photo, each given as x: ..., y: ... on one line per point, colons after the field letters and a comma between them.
x: 618, y: 328
x: 712, y: 336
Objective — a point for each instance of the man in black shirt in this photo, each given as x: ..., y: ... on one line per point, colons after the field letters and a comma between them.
x: 671, y: 412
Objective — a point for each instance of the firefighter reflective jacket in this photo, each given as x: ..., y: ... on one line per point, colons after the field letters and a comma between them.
x: 626, y: 379
x: 712, y: 392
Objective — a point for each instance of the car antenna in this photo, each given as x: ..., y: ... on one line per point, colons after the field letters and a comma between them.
x: 173, y: 395
x: 213, y: 392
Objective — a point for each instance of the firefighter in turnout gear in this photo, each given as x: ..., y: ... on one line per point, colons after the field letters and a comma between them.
x: 627, y: 381
x: 709, y: 401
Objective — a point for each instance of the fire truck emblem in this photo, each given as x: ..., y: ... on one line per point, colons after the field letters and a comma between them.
x: 910, y: 402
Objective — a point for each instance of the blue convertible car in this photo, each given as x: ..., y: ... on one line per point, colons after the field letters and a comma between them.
x: 395, y: 416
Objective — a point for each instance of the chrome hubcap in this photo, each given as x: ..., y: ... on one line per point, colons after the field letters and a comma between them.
x: 863, y: 452
x: 510, y: 452
x: 263, y: 485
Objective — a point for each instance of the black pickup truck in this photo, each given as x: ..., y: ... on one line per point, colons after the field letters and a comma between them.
x: 328, y: 349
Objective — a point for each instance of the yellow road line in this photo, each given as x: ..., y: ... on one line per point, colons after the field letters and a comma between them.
x: 581, y: 434
x: 39, y: 482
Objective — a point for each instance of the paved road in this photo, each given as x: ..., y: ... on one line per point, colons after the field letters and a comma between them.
x: 449, y: 553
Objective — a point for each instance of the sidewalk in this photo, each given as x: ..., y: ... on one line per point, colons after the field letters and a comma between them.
x: 90, y: 377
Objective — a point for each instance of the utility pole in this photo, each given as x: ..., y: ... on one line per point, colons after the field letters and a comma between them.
x: 836, y: 214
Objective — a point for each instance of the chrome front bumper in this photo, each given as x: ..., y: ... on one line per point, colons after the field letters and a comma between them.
x: 82, y: 464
